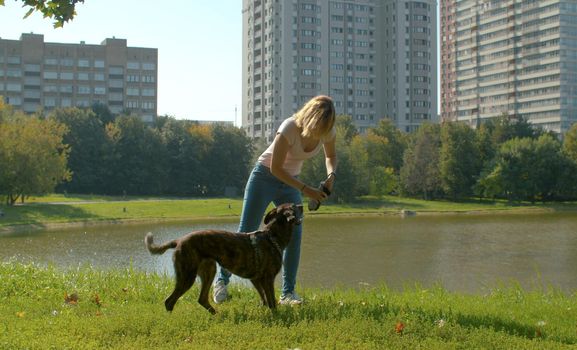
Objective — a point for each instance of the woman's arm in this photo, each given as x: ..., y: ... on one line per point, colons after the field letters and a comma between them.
x: 330, y: 162
x: 279, y: 153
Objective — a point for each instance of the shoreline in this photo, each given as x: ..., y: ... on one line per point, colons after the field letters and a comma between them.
x: 50, y: 226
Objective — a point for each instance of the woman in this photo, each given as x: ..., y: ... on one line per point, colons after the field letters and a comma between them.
x: 275, y: 179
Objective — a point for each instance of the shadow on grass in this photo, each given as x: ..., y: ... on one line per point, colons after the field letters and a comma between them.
x: 36, y: 217
x: 387, y: 313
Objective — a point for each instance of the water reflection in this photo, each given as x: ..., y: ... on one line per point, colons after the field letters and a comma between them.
x: 461, y: 253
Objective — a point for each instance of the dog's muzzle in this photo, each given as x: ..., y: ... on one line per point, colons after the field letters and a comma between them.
x: 299, y: 210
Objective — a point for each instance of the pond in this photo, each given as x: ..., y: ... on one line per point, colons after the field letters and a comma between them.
x: 464, y: 253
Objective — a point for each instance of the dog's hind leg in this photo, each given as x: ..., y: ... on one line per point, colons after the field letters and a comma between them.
x: 257, y: 283
x: 185, y: 276
x: 206, y: 272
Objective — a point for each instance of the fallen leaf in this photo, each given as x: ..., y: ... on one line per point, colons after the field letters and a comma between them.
x: 96, y: 300
x: 21, y: 314
x: 71, y: 299
x: 399, y: 327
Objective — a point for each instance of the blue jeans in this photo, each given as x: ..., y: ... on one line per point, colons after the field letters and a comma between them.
x: 261, y: 189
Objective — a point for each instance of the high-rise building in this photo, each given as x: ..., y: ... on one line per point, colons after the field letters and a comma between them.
x: 448, y: 71
x: 375, y: 58
x: 40, y: 76
x: 510, y: 57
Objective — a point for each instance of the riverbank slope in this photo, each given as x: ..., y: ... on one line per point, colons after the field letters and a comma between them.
x: 56, y: 211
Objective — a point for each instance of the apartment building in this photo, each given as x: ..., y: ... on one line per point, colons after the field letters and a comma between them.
x: 514, y: 57
x: 375, y: 58
x: 40, y: 76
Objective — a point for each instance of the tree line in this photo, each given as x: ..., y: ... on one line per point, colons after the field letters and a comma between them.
x: 91, y: 151
x: 504, y: 157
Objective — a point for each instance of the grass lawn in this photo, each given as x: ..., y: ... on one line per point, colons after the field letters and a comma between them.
x: 45, y: 308
x: 48, y: 308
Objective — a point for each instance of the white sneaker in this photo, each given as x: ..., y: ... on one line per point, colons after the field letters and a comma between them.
x: 219, y: 292
x: 290, y: 299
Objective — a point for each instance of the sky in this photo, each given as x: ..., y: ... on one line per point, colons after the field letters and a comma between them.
x: 199, y: 46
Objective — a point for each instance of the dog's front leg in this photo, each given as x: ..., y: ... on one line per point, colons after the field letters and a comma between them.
x: 268, y: 286
x: 258, y: 285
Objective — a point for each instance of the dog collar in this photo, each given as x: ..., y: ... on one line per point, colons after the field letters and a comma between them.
x: 275, y: 244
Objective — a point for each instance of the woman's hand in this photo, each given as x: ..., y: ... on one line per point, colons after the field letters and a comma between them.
x: 330, y: 182
x: 314, y: 193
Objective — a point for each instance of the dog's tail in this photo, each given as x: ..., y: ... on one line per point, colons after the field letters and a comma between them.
x: 157, y: 249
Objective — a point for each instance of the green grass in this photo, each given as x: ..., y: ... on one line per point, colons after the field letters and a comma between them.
x: 123, y: 309
x: 59, y: 209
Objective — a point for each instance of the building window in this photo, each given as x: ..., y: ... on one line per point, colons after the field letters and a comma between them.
x: 50, y: 75
x: 147, y: 105
x: 83, y: 103
x: 66, y: 75
x: 14, y: 73
x: 13, y: 60
x: 115, y: 70
x: 148, y: 79
x: 51, y: 61
x: 14, y: 87
x: 66, y: 62
x: 148, y: 92
x: 49, y: 102
x: 115, y: 83
x: 50, y: 88
x: 133, y: 65
x: 132, y: 91
x: 83, y: 89
x: 99, y: 90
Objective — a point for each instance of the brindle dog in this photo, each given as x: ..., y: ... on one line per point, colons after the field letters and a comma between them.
x: 256, y: 255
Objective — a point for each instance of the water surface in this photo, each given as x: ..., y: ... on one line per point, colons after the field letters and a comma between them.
x: 466, y: 253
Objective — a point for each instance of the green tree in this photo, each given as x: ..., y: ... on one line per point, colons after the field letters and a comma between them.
x: 362, y: 161
x: 487, y: 148
x: 395, y: 146
x: 33, y: 156
x: 383, y: 181
x: 346, y: 180
x: 505, y: 128
x: 103, y: 113
x: 550, y: 168
x: 314, y: 170
x: 528, y: 169
x: 570, y: 143
x: 229, y: 159
x: 61, y: 11
x: 420, y: 171
x: 459, y: 159
x: 185, y: 157
x: 346, y: 128
x: 138, y: 158
x: 89, y: 149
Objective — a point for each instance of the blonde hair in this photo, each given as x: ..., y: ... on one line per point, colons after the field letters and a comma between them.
x: 316, y: 117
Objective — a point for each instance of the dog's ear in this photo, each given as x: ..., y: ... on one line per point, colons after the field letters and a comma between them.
x: 270, y: 216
